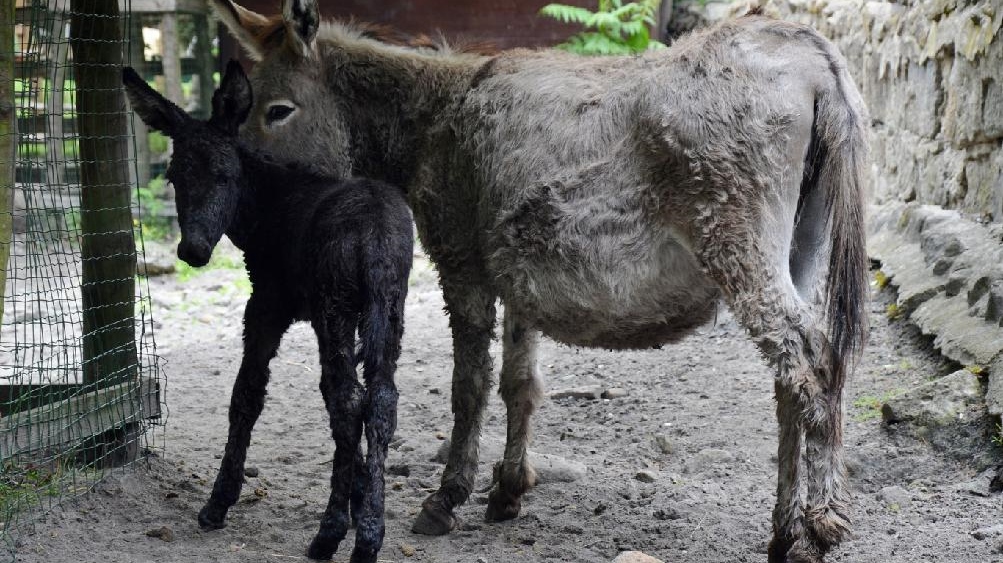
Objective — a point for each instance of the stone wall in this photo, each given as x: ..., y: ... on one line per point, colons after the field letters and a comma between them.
x: 931, y: 72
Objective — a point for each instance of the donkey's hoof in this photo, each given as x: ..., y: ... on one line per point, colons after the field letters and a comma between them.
x: 210, y: 519
x: 434, y: 521
x: 777, y: 551
x: 502, y: 507
x: 322, y: 548
x: 798, y: 555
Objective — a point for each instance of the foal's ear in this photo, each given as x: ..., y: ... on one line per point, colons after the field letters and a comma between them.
x: 155, y: 110
x: 255, y: 33
x: 302, y: 19
x: 231, y: 103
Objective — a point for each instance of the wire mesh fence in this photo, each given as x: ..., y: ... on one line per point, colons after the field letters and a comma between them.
x: 80, y: 380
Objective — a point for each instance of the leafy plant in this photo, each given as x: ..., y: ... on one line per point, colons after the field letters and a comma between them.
x: 615, y: 28
x: 153, y: 224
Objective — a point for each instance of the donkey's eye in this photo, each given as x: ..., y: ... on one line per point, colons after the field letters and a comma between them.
x: 278, y: 112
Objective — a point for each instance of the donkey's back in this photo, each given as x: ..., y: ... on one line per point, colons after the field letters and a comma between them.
x: 602, y: 183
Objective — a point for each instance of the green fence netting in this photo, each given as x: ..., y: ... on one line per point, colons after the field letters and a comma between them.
x: 81, y: 388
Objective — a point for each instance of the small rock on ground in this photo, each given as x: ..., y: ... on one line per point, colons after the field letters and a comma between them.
x: 162, y: 533
x: 590, y: 392
x: 614, y: 393
x: 635, y: 557
x: 895, y: 497
x: 705, y: 459
x: 646, y: 476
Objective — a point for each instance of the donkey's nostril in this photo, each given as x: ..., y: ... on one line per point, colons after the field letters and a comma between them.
x: 196, y: 254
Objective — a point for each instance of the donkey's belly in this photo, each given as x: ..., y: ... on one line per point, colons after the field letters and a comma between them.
x: 601, y: 285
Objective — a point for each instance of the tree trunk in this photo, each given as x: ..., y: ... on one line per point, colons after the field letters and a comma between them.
x: 108, y: 250
x: 8, y: 141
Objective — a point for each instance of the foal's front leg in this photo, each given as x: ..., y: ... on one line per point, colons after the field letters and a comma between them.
x: 264, y: 325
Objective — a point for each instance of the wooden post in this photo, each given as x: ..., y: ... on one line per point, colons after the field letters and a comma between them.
x: 56, y: 50
x: 108, y: 248
x: 8, y: 141
x: 205, y: 63
x: 664, y: 17
x: 142, y: 140
x: 171, y: 58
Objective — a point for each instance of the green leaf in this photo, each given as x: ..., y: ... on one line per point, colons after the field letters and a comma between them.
x: 566, y: 14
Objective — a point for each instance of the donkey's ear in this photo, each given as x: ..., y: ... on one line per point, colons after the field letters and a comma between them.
x: 302, y: 20
x: 231, y: 103
x: 155, y: 110
x: 255, y: 33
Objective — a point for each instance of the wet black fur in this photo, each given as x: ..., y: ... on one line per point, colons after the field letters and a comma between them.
x: 335, y: 253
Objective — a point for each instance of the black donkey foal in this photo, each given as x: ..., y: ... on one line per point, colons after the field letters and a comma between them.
x: 335, y: 253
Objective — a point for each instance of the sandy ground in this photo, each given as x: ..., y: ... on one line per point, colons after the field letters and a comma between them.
x: 697, y: 417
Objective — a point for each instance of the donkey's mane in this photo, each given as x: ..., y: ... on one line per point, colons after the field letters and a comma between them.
x: 384, y: 34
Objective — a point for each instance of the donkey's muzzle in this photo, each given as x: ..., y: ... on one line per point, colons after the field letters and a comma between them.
x: 196, y: 253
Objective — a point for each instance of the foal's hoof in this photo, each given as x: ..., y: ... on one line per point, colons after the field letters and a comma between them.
x: 502, y: 507
x: 210, y: 519
x: 434, y: 521
x: 362, y: 556
x: 322, y: 548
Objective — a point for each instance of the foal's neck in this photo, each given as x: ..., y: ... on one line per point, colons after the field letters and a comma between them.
x: 261, y: 184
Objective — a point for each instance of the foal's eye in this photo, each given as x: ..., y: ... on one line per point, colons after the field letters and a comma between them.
x: 278, y: 112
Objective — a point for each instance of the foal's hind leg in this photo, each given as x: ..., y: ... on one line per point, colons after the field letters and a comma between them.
x: 520, y: 389
x: 471, y: 318
x: 264, y: 325
x: 343, y: 396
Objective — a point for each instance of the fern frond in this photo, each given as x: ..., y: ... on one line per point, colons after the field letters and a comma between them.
x: 566, y: 14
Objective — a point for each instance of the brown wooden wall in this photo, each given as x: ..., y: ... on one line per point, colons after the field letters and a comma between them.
x: 501, y: 23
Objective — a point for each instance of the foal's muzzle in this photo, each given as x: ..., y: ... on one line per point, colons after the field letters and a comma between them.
x: 195, y: 252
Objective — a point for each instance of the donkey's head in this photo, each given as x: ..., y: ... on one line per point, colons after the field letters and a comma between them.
x: 205, y: 167
x: 294, y: 103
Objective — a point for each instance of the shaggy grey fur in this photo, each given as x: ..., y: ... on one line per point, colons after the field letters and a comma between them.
x: 608, y: 202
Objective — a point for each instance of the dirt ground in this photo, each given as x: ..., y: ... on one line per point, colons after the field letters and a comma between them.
x: 696, y: 419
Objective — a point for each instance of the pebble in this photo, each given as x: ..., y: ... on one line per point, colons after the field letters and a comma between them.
x: 401, y: 470
x: 408, y: 550
x: 556, y: 469
x: 663, y: 444
x: 635, y: 557
x: 646, y: 476
x: 895, y: 497
x: 251, y: 472
x: 614, y: 393
x: 706, y: 458
x: 988, y: 532
x: 162, y: 533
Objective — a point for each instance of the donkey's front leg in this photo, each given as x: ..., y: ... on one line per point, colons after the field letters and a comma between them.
x: 520, y: 389
x: 471, y: 317
x: 264, y: 325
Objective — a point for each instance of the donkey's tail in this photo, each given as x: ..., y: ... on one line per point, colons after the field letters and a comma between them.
x: 835, y: 170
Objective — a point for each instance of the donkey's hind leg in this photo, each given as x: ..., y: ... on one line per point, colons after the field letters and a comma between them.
x: 264, y: 325
x: 764, y: 299
x: 471, y: 317
x: 343, y: 396
x: 520, y: 389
